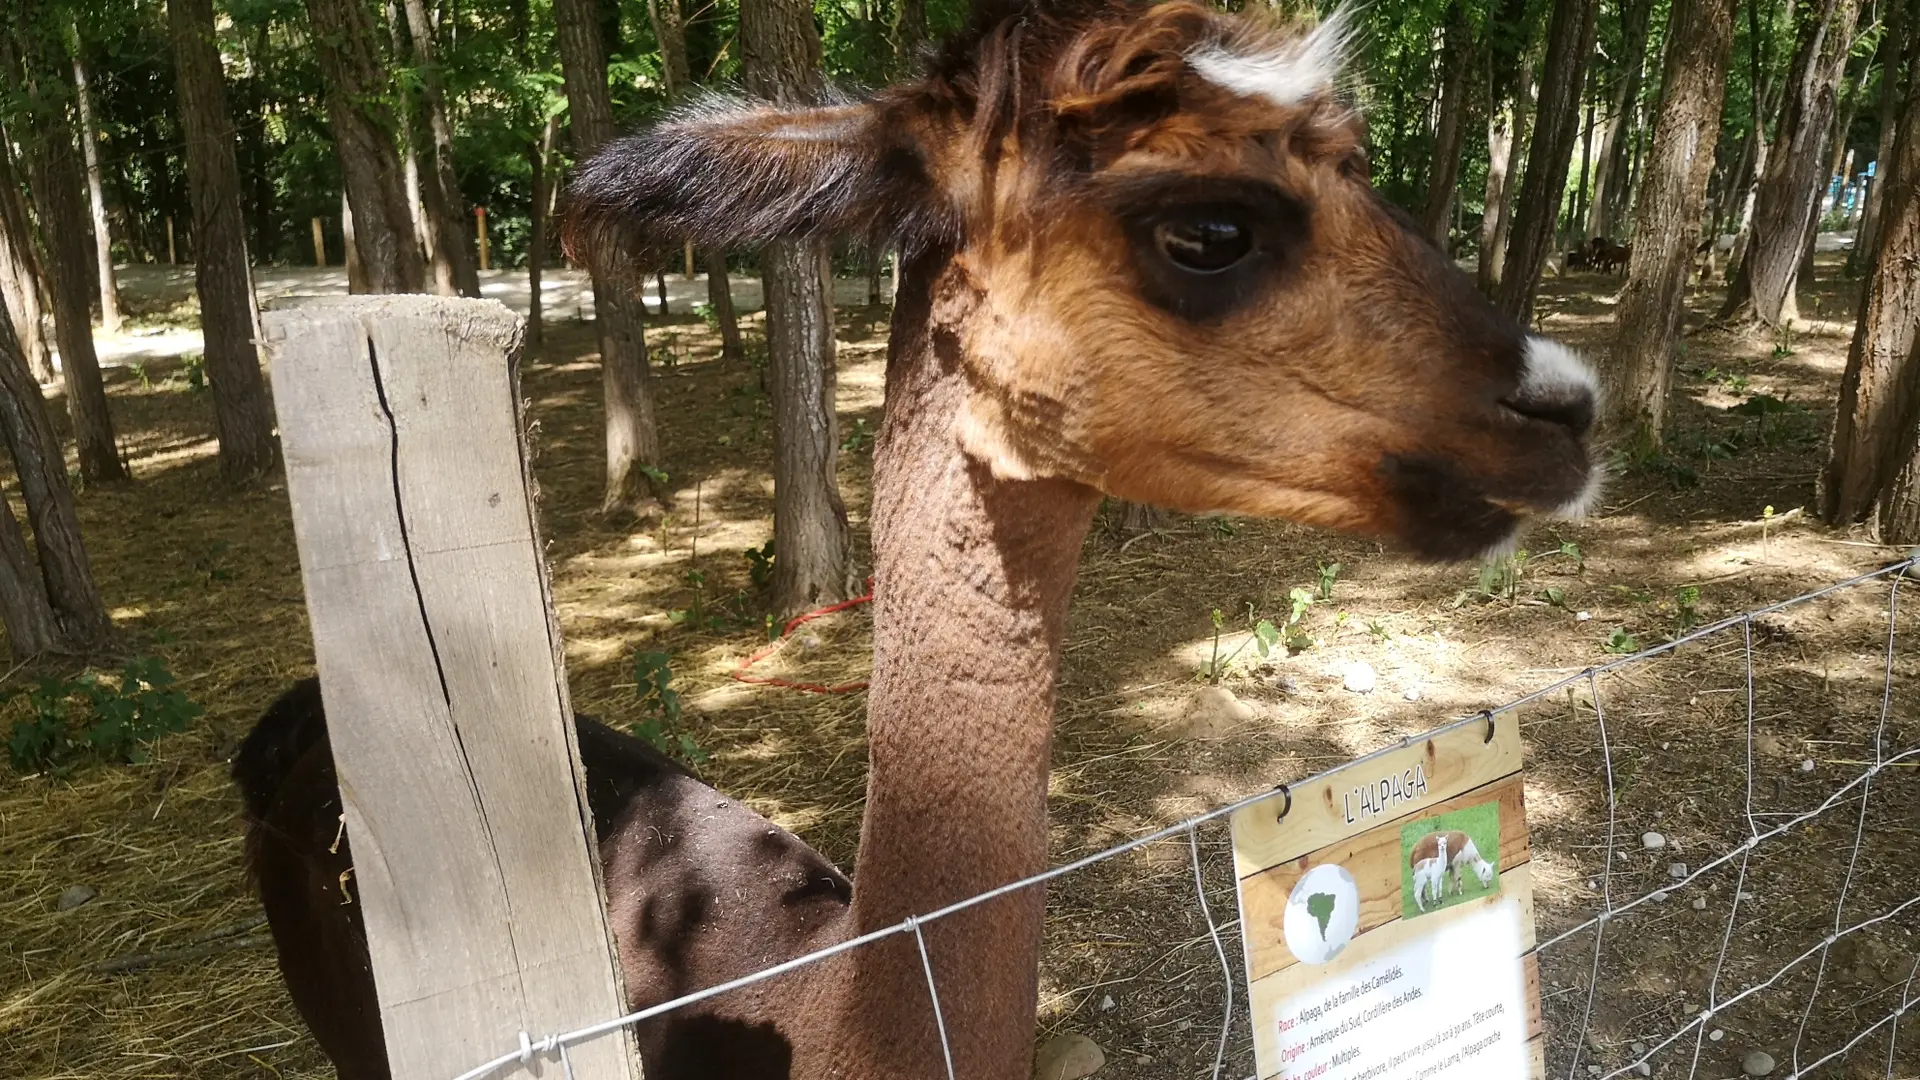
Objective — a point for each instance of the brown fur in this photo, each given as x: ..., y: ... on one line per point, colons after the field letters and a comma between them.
x: 1428, y: 846
x: 1043, y: 353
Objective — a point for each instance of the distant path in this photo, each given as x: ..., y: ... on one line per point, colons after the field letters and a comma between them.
x: 565, y: 294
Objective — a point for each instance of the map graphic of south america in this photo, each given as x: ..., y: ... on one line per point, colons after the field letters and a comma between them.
x: 1320, y: 906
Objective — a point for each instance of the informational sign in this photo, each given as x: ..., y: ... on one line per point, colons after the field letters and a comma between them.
x: 1388, y: 915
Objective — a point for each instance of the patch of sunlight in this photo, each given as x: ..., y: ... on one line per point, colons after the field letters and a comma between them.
x: 122, y: 613
x: 180, y: 454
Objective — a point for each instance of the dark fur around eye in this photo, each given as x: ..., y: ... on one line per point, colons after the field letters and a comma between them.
x: 1204, y: 247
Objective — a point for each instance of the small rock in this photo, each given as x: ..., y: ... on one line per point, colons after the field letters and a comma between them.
x: 1594, y: 1070
x: 1644, y: 1069
x: 1658, y: 896
x: 1214, y: 711
x: 1699, y: 903
x: 1285, y: 684
x: 1358, y: 677
x: 810, y: 642
x: 1412, y: 693
x: 1677, y: 871
x: 1807, y: 765
x: 1690, y: 1009
x: 1639, y: 1048
x: 1758, y: 1063
x: 1743, y: 895
x: 1068, y: 1057
x: 1106, y: 1003
x: 73, y: 896
x: 1652, y: 841
x: 1583, y: 616
x: 1666, y: 746
x: 1143, y: 1059
x: 1184, y: 1025
x: 1716, y: 1035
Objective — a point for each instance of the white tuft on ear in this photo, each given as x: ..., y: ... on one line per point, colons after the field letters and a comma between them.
x: 1554, y: 371
x: 1289, y: 75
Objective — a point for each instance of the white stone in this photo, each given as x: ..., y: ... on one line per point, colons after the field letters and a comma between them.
x: 1699, y: 903
x: 1411, y: 693
x: 1807, y: 765
x: 1106, y: 1003
x: 1068, y: 1057
x: 1677, y: 871
x: 1358, y: 677
x: 1652, y: 841
x: 1716, y: 1035
x: 1758, y: 1063
x: 1583, y: 616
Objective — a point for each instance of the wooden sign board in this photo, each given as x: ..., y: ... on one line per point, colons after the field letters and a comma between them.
x: 1387, y: 911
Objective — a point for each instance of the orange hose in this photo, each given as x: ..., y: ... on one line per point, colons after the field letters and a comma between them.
x: 740, y: 673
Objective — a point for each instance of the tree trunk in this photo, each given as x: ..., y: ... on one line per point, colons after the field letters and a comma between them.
x: 633, y: 439
x: 1586, y: 170
x: 1603, y: 216
x: 96, y: 194
x: 55, y: 177
x: 780, y: 61
x: 1875, y: 424
x: 538, y: 156
x: 356, y: 270
x: 1500, y: 130
x: 1894, y: 49
x: 1762, y: 289
x: 242, y: 411
x: 66, y: 576
x: 440, y: 187
x: 1569, y: 45
x: 1666, y: 225
x: 23, y: 596
x: 361, y: 122
x: 1450, y: 132
x: 720, y: 299
x: 20, y: 271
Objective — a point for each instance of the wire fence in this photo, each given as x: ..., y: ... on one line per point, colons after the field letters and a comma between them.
x: 1585, y: 958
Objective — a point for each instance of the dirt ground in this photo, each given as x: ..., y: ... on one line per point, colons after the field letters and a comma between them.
x: 207, y: 578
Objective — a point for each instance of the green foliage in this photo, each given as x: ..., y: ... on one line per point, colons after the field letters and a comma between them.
x: 1686, y: 608
x: 760, y: 565
x: 193, y: 367
x: 83, y: 718
x: 659, y: 724
x: 1328, y: 574
x: 1621, y: 642
x: 859, y: 438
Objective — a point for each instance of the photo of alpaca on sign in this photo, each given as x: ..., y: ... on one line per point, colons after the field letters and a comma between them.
x: 1449, y: 859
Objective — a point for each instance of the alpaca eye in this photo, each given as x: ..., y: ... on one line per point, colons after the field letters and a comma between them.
x: 1204, y: 243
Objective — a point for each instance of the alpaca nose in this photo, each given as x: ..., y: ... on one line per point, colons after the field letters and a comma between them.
x: 1555, y: 386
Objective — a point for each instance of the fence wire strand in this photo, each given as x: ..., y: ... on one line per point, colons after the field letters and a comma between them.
x: 1699, y: 1023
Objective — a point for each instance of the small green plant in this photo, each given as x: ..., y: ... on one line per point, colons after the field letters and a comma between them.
x: 659, y: 725
x: 1221, y: 528
x: 1380, y: 631
x: 1555, y: 595
x: 760, y: 565
x: 1295, y: 636
x: 74, y: 719
x: 139, y: 370
x: 859, y: 438
x: 1686, y: 609
x: 1329, y: 573
x: 697, y: 614
x: 1733, y: 382
x: 707, y: 315
x: 194, y: 367
x: 1264, y: 638
x: 1500, y: 579
x: 1621, y: 642
x: 1571, y: 550
x: 1783, y: 344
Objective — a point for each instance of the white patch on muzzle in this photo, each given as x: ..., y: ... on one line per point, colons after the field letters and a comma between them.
x: 1554, y: 371
x: 1287, y: 76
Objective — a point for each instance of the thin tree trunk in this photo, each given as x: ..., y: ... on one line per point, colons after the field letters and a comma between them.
x: 1763, y: 287
x: 1894, y: 48
x: 1500, y: 124
x: 1451, y: 130
x: 780, y: 60
x: 1875, y: 424
x: 440, y: 187
x: 361, y: 123
x: 20, y: 275
x: 356, y: 270
x: 66, y: 576
x: 1509, y: 85
x: 720, y: 299
x: 1569, y: 46
x: 1586, y: 169
x: 96, y: 194
x: 1666, y: 225
x: 229, y: 316
x: 56, y: 178
x: 538, y: 156
x: 633, y: 438
x: 1603, y: 214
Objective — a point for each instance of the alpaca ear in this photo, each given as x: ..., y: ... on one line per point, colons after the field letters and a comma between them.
x: 728, y: 173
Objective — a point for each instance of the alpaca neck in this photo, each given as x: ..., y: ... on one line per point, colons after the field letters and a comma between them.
x: 971, y: 581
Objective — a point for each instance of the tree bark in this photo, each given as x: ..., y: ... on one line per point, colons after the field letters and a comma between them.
x: 1603, y: 215
x: 97, y: 197
x: 66, y: 577
x: 1763, y: 287
x: 363, y: 129
x: 440, y: 188
x: 20, y: 275
x: 56, y: 178
x: 1894, y: 48
x: 633, y: 438
x: 720, y: 299
x: 229, y: 316
x: 1875, y: 424
x: 538, y: 156
x: 780, y: 60
x: 1569, y: 45
x: 1450, y: 132
x: 23, y: 597
x: 1666, y: 225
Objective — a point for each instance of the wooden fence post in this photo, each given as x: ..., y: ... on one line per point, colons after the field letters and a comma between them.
x: 446, y: 698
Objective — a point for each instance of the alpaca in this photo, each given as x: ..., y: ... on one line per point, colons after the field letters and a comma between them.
x: 1430, y: 874
x: 1141, y: 259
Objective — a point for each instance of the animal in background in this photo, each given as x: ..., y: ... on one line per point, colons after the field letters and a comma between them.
x: 1461, y: 855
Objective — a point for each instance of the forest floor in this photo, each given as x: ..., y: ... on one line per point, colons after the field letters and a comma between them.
x: 207, y: 578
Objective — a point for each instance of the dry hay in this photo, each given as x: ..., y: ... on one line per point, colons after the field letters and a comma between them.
x: 207, y: 577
